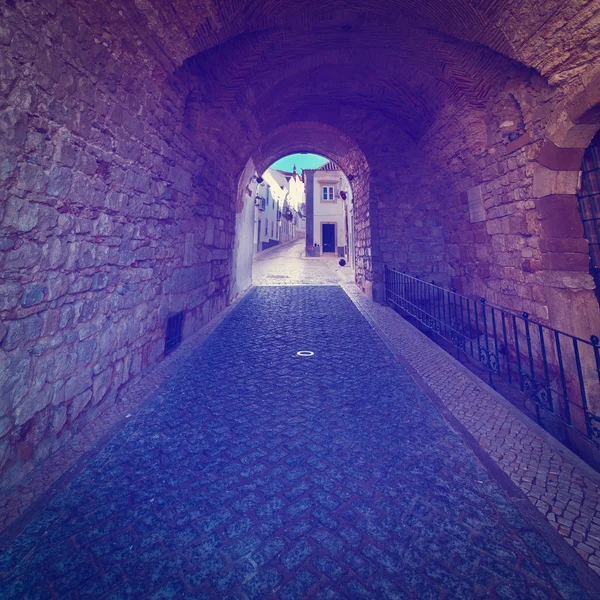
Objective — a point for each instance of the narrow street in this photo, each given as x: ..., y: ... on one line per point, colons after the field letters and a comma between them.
x: 288, y: 265
x: 258, y: 473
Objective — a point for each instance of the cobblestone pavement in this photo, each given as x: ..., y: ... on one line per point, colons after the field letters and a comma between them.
x: 561, y: 486
x: 281, y: 265
x: 287, y: 265
x: 256, y: 473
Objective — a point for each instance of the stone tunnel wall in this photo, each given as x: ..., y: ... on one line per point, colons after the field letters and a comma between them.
x: 119, y: 180
x: 409, y: 207
x: 110, y: 221
x: 528, y: 251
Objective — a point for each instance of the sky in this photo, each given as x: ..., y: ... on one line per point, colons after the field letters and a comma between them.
x: 302, y: 161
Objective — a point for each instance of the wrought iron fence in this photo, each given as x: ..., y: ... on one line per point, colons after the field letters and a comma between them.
x: 557, y: 374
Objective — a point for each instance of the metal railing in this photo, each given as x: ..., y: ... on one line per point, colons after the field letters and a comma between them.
x: 556, y: 375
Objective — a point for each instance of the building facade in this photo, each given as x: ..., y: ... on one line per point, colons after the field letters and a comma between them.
x: 329, y: 216
x: 278, y: 195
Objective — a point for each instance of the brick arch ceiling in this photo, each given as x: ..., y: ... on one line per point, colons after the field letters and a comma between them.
x: 322, y: 91
x: 185, y: 27
x: 403, y: 60
x: 405, y: 74
x: 307, y: 136
x: 528, y: 31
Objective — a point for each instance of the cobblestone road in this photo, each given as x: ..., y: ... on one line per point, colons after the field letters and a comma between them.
x: 255, y: 473
x: 287, y: 265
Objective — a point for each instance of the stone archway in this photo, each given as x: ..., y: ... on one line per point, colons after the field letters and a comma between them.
x: 569, y: 286
x: 328, y: 141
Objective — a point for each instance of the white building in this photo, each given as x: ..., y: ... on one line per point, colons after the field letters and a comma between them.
x: 277, y: 196
x: 295, y: 186
x: 329, y: 220
x: 266, y: 217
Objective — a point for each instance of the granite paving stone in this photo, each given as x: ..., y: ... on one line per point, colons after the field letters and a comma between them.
x: 257, y: 473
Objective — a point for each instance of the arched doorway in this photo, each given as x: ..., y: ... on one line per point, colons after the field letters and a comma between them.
x: 331, y: 143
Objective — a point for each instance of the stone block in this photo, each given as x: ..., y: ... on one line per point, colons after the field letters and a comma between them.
x: 20, y: 214
x: 532, y: 266
x: 59, y: 183
x: 502, y: 211
x: 209, y: 234
x: 51, y: 318
x: 80, y: 284
x: 77, y: 384
x: 145, y: 253
x: 5, y: 425
x: 8, y: 167
x: 34, y: 402
x: 574, y: 311
x: 518, y: 143
x: 59, y: 418
x: 559, y: 216
x: 547, y: 182
x: 64, y: 364
x: 25, y: 255
x: 189, y: 253
x: 88, y: 309
x: 65, y: 152
x: 33, y: 294
x: 101, y: 385
x: 571, y: 244
x: 5, y: 449
x: 79, y: 403
x: 186, y: 279
x: 9, y: 295
x: 13, y: 129
x: 54, y: 252
x: 67, y: 315
x: 22, y: 331
x: 99, y: 281
x: 87, y: 255
x: 108, y: 339
x: 560, y: 159
x: 32, y: 178
x: 85, y: 351
x: 566, y: 279
x: 494, y: 226
x: 88, y: 330
x: 515, y: 225
x: 566, y: 261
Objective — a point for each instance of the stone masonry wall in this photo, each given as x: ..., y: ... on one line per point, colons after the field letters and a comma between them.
x: 110, y: 220
x: 529, y: 253
x: 410, y: 212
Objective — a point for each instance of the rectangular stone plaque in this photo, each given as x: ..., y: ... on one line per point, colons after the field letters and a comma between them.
x: 476, y: 208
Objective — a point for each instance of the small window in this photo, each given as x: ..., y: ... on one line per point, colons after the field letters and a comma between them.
x: 328, y: 193
x: 173, y: 335
x: 266, y: 226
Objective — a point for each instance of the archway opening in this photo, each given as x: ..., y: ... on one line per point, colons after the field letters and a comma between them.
x: 303, y: 201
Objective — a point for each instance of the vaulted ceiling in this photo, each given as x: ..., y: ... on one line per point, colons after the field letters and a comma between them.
x: 404, y: 60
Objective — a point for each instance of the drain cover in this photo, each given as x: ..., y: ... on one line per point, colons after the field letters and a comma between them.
x: 305, y: 353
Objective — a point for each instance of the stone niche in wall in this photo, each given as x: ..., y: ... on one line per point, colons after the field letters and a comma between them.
x: 511, y: 124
